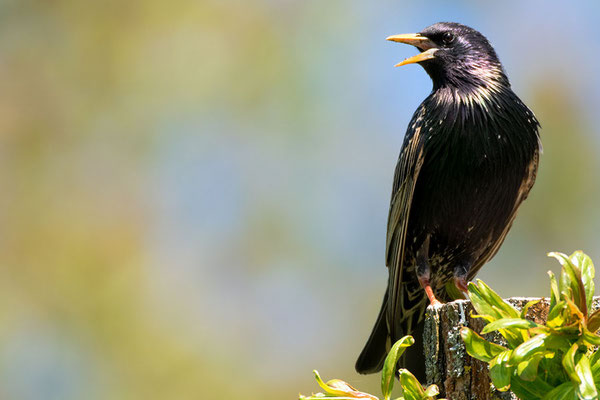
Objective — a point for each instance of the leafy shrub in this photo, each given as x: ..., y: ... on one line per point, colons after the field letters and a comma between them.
x: 557, y: 360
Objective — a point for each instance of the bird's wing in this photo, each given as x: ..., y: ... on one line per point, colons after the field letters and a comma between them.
x: 524, y: 189
x: 405, y: 178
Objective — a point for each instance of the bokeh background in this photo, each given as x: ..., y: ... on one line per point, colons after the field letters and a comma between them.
x: 194, y: 194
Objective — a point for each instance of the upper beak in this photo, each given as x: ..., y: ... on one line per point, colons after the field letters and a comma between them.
x: 423, y: 43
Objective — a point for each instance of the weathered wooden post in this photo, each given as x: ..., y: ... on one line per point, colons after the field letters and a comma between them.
x: 447, y: 363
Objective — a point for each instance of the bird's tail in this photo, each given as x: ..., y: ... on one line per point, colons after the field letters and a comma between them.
x: 373, y: 354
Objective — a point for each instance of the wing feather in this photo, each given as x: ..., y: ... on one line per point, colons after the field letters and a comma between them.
x: 405, y: 178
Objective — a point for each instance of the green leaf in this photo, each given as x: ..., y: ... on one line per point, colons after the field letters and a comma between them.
x: 321, y: 396
x: 551, y: 368
x: 339, y: 389
x: 585, y: 265
x: 554, y: 292
x: 564, y: 391
x: 480, y: 303
x: 453, y: 291
x: 508, y: 323
x: 487, y: 302
x: 576, y: 314
x: 478, y: 347
x: 527, y: 349
x: 559, y: 315
x: 527, y: 306
x: 593, y: 323
x: 486, y: 318
x: 500, y: 371
x: 589, y: 338
x: 595, y: 363
x: 571, y: 284
x: 412, y: 389
x: 528, y: 369
x: 530, y: 390
x: 568, y: 363
x: 587, y: 388
x: 389, y: 367
x: 321, y: 383
x: 557, y: 342
x: 432, y: 391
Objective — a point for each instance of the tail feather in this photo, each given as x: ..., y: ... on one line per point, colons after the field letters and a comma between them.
x: 408, y: 322
x: 373, y: 354
x: 413, y: 358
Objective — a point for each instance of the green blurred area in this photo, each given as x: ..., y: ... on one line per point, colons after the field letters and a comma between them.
x: 194, y: 193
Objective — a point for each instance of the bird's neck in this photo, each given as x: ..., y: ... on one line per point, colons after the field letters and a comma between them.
x: 476, y: 92
x: 469, y: 80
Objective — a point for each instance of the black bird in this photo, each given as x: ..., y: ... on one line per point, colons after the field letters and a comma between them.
x: 469, y: 158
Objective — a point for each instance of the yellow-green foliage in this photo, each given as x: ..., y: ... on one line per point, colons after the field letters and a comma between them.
x: 558, y: 360
x: 411, y: 387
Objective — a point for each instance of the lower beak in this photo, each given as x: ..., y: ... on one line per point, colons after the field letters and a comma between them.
x: 426, y: 55
x: 423, y: 43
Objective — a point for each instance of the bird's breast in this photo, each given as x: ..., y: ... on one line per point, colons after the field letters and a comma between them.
x: 468, y: 186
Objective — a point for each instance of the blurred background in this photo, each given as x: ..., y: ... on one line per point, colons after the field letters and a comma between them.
x: 194, y: 194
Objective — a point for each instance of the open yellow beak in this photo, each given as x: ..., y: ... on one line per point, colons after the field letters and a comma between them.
x: 423, y: 43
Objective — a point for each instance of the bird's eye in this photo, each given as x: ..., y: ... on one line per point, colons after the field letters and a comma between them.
x: 447, y: 38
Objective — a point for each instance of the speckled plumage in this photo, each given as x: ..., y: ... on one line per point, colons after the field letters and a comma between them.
x: 469, y: 159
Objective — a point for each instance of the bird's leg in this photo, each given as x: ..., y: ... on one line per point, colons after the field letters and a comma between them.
x: 461, y: 272
x: 424, y: 272
x: 424, y: 281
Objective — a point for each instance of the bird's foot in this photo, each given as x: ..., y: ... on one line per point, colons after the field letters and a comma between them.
x: 462, y: 285
x: 435, y: 303
x: 461, y: 272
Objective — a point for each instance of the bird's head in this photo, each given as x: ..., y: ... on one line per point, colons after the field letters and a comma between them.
x: 455, y: 55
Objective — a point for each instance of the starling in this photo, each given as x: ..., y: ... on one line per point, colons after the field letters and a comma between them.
x: 469, y: 159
